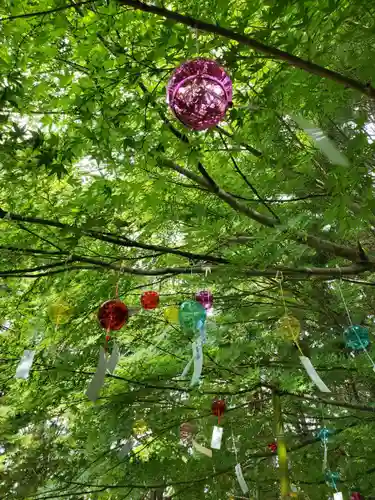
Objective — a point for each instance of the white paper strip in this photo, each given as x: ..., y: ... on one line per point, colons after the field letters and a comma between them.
x: 113, y: 360
x: 202, y: 332
x: 313, y: 375
x: 198, y: 361
x: 187, y: 368
x: 23, y: 368
x: 217, y: 435
x: 202, y: 449
x: 97, y: 381
x: 326, y: 146
x: 126, y: 448
x: 338, y: 496
x: 241, y: 479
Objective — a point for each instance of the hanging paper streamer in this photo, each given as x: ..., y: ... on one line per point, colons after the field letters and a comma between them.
x: 202, y: 331
x: 356, y: 337
x: 24, y: 366
x: 113, y: 360
x: 202, y: 449
x: 187, y: 367
x: 150, y: 300
x: 241, y: 479
x: 322, y: 142
x: 205, y: 298
x: 199, y: 93
x: 313, y: 374
x: 127, y: 447
x: 338, y: 496
x: 198, y: 361
x: 97, y: 381
x: 217, y: 436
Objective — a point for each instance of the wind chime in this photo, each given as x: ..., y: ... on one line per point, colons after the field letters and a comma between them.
x: 192, y: 318
x: 218, y: 408
x: 356, y: 336
x: 292, y: 329
x: 112, y: 316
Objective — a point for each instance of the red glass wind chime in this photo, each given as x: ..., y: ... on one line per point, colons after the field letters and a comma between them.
x: 218, y: 408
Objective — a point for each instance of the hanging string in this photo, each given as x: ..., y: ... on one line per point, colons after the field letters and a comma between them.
x: 354, y: 330
x: 292, y: 334
x: 234, y: 444
x: 197, y: 40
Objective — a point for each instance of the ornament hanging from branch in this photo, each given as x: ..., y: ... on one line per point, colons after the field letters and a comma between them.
x: 60, y: 312
x: 171, y: 314
x: 205, y: 298
x: 199, y: 93
x: 192, y: 318
x: 113, y: 315
x: 356, y: 337
x: 218, y: 408
x: 150, y: 300
x: 290, y: 328
x: 294, y: 332
x: 272, y: 447
x: 356, y: 496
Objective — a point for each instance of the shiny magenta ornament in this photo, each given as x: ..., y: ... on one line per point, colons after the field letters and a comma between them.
x: 272, y: 447
x: 150, y: 300
x: 205, y: 298
x: 199, y: 93
x: 356, y: 496
x: 113, y: 314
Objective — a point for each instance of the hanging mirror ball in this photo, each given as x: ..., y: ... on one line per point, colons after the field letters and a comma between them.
x: 191, y: 315
x: 199, y: 93
x: 113, y: 314
x: 171, y: 314
x: 150, y: 300
x: 356, y: 337
x: 205, y: 298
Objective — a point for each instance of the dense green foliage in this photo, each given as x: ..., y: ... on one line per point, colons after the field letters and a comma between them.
x: 102, y: 186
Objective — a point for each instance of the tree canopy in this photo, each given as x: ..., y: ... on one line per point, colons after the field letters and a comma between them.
x: 104, y: 193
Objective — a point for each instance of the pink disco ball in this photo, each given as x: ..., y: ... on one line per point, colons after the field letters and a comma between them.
x: 199, y: 93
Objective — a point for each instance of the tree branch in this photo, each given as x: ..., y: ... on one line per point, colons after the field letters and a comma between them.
x: 45, y: 12
x: 277, y: 54
x: 111, y: 238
